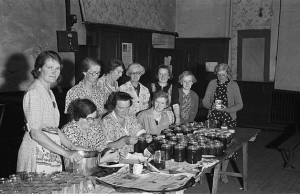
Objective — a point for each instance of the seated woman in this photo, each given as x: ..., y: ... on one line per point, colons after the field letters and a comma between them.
x: 154, y: 120
x: 188, y: 99
x: 121, y: 128
x: 83, y: 132
x: 138, y: 91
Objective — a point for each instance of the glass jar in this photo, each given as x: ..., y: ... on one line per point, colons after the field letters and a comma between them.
x: 211, y: 149
x: 141, y: 145
x: 179, y: 153
x: 219, y: 148
x: 168, y: 151
x: 192, y: 154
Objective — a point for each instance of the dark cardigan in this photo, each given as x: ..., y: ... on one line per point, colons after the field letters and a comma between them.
x: 194, y: 105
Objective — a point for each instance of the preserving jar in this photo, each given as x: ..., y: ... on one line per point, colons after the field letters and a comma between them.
x: 192, y: 154
x: 168, y: 151
x: 179, y: 153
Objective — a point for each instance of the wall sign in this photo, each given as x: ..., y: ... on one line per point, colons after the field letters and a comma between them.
x: 127, y: 54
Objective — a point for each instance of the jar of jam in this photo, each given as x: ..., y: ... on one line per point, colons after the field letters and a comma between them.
x: 211, y: 136
x: 204, y: 149
x: 211, y: 149
x: 141, y: 145
x: 169, y: 135
x: 223, y: 138
x: 219, y: 148
x: 173, y: 138
x: 229, y: 137
x: 199, y: 152
x: 161, y: 142
x: 177, y: 130
x: 168, y: 151
x: 179, y: 153
x: 192, y: 154
x: 172, y: 144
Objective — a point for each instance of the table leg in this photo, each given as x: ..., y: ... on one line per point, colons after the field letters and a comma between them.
x: 245, y: 166
x: 216, y: 178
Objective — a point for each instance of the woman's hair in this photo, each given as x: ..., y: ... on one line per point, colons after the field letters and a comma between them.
x: 133, y: 66
x: 88, y: 62
x: 82, y: 108
x: 112, y: 65
x: 186, y: 73
x: 161, y: 94
x: 42, y: 58
x: 114, y: 97
x: 167, y: 67
x: 223, y: 67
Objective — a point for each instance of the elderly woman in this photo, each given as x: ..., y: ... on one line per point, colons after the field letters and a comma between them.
x: 41, y: 147
x: 84, y: 132
x: 155, y: 120
x: 120, y: 127
x: 227, y: 91
x: 108, y: 82
x: 139, y: 93
x: 163, y: 75
x: 188, y: 99
x: 86, y: 88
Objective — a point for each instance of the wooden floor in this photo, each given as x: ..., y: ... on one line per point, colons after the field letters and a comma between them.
x: 265, y: 173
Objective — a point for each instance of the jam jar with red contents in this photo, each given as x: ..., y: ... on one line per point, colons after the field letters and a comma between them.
x: 219, y: 148
x: 192, y: 154
x: 168, y: 151
x: 179, y: 153
x: 141, y: 145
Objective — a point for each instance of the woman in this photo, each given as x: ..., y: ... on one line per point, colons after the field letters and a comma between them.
x: 228, y: 92
x: 41, y: 147
x: 86, y: 88
x: 155, y: 120
x: 139, y: 93
x: 188, y: 99
x: 108, y: 82
x: 83, y: 132
x: 119, y: 127
x: 163, y: 75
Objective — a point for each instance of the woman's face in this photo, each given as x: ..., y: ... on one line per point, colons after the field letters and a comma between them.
x: 135, y: 75
x: 92, y: 74
x: 87, y: 122
x: 117, y: 73
x: 122, y: 108
x: 187, y: 82
x: 160, y: 104
x: 163, y: 75
x: 222, y: 76
x: 50, y: 71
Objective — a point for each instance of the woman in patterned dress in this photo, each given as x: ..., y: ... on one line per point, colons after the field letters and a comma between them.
x: 188, y: 99
x: 108, y: 82
x: 154, y: 120
x: 41, y: 146
x: 228, y: 92
x: 139, y: 93
x: 84, y: 132
x: 86, y: 88
x: 163, y: 75
x: 119, y: 127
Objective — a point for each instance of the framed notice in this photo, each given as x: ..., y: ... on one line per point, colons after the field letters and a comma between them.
x: 127, y: 54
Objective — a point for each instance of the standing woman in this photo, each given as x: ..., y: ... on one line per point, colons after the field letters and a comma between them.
x: 139, y: 93
x: 86, y: 88
x: 163, y: 75
x: 228, y: 92
x: 41, y: 146
x: 188, y: 99
x: 108, y: 82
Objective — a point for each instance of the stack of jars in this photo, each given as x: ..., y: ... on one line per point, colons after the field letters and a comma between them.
x: 63, y: 183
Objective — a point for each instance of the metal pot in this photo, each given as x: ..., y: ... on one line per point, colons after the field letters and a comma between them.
x: 86, y: 166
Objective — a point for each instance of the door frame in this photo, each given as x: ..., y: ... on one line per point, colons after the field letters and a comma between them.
x: 260, y: 33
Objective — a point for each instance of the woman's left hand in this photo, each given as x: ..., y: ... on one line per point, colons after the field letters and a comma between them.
x: 110, y: 156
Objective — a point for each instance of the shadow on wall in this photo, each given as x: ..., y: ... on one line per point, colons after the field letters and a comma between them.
x: 15, y: 72
x: 67, y: 73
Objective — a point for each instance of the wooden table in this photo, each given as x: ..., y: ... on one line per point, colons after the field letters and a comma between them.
x: 243, y: 135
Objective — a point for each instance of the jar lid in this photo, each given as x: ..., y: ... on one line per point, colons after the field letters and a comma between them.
x: 192, y: 147
x: 165, y: 146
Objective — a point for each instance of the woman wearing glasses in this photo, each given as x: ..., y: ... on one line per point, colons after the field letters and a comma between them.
x: 226, y: 93
x: 86, y: 88
x: 108, y: 82
x: 84, y: 132
x: 223, y: 99
x: 42, y: 142
x: 139, y: 93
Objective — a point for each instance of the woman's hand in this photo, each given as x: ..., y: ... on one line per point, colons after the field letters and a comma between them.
x: 109, y: 156
x: 130, y: 140
x: 73, y: 156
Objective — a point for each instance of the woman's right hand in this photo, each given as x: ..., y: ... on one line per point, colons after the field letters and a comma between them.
x: 130, y: 140
x: 109, y: 156
x: 74, y: 156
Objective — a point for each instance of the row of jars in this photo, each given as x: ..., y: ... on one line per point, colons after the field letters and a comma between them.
x: 59, y: 183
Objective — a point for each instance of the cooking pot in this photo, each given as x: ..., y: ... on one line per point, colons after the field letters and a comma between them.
x: 86, y: 166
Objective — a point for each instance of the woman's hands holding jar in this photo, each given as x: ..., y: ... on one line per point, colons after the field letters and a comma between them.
x: 74, y: 156
x: 109, y: 155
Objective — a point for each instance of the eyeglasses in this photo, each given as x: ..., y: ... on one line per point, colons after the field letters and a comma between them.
x: 90, y: 119
x: 163, y: 74
x: 222, y: 75
x: 135, y: 73
x: 95, y: 73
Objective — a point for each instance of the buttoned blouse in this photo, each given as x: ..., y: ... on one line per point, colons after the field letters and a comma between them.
x: 106, y: 88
